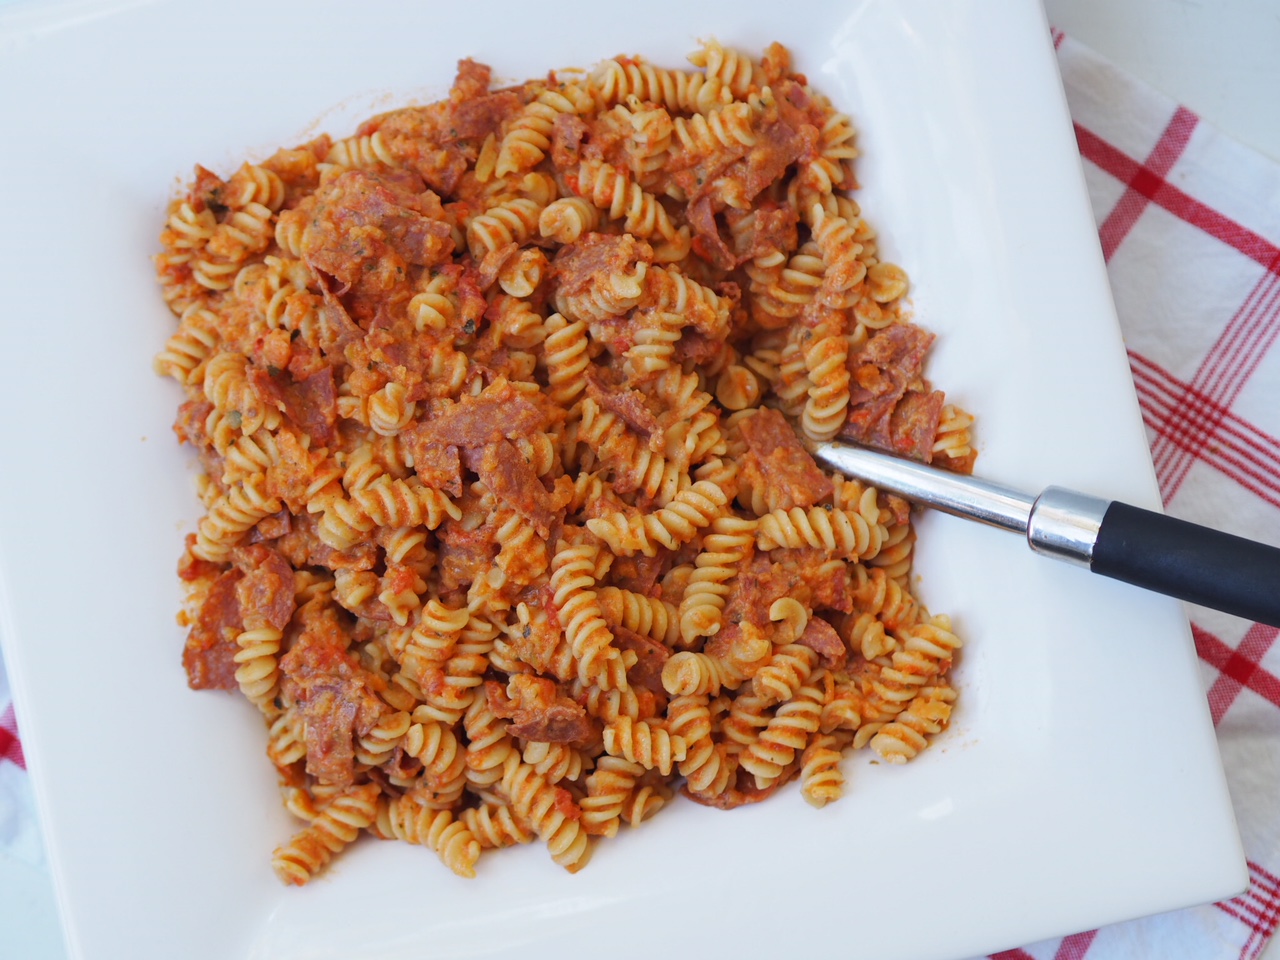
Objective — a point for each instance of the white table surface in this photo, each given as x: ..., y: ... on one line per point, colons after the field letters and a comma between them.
x: 1216, y: 56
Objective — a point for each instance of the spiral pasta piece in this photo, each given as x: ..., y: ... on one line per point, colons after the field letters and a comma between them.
x: 444, y: 760
x: 635, y: 466
x: 188, y: 228
x: 787, y: 670
x: 953, y: 441
x: 435, y: 307
x: 786, y: 734
x: 404, y: 503
x: 650, y: 616
x: 655, y: 344
x: 828, y: 402
x: 245, y: 231
x: 258, y: 674
x: 361, y: 151
x: 434, y: 636
x: 541, y: 804
x: 231, y: 516
x: 733, y: 69
x: 706, y: 766
x: 607, y: 294
x: 608, y: 788
x: 723, y: 549
x: 668, y: 289
x: 567, y: 219
x: 878, y: 594
x: 555, y: 761
x: 613, y: 191
x: 529, y: 137
x: 896, y: 552
x: 676, y: 523
x: 689, y: 673
x: 490, y: 749
x: 839, y: 532
x: 512, y: 221
x: 616, y: 81
x: 253, y: 183
x: 821, y: 780
x: 228, y: 388
x: 578, y: 609
x: 389, y: 410
x: 405, y: 818
x: 184, y: 356
x: 565, y: 349
x: 729, y: 127
x: 376, y: 746
x: 791, y: 617
x: 841, y: 252
x: 307, y: 853
x: 645, y: 742
x: 494, y: 825
x: 748, y: 716
x: 928, y: 713
x: 286, y: 743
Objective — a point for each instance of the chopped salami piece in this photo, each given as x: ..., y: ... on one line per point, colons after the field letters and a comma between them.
x: 500, y: 412
x: 189, y: 425
x: 580, y: 265
x: 889, y: 363
x: 334, y: 694
x: 476, y: 119
x: 463, y: 554
x: 211, y: 644
x: 694, y: 346
x: 625, y: 403
x: 708, y: 243
x: 538, y: 711
x: 890, y: 407
x: 311, y: 403
x: 650, y: 658
x: 330, y: 719
x: 743, y: 791
x: 366, y: 225
x: 471, y: 80
x: 272, y: 527
x: 567, y: 133
x: 639, y: 574
x: 773, y: 230
x: 778, y: 461
x: 439, y: 467
x: 913, y: 425
x: 820, y: 637
x: 266, y: 590
x: 510, y: 477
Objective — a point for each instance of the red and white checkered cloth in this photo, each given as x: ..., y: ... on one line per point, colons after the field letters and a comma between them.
x: 19, y: 830
x: 1190, y: 225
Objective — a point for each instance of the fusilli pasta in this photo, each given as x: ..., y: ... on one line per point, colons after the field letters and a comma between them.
x: 509, y: 532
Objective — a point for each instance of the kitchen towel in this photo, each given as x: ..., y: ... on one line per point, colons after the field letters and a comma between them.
x: 1189, y: 222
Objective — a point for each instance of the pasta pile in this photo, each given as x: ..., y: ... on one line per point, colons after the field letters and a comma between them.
x: 509, y: 531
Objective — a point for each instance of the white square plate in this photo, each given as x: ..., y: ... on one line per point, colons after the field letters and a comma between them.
x: 1080, y: 781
